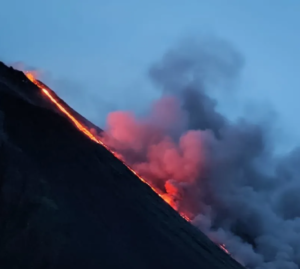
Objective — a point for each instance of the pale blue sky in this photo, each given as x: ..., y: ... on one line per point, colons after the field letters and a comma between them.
x: 103, y: 48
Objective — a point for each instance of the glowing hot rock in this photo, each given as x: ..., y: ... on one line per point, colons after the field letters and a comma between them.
x: 88, y: 133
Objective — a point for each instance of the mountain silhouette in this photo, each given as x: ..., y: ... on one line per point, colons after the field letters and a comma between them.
x: 67, y: 202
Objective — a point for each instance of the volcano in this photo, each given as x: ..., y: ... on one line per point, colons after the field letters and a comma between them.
x: 68, y: 202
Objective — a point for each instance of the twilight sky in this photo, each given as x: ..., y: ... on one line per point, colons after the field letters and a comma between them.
x: 96, y: 53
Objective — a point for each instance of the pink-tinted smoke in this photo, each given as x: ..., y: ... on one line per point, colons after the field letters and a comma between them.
x: 158, y: 148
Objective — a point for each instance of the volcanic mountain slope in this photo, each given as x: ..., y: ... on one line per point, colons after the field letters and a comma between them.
x: 67, y: 202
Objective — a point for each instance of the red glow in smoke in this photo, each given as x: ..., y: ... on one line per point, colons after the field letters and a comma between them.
x: 167, y: 162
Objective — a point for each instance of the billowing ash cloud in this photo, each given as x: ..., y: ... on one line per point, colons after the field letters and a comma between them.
x: 221, y: 173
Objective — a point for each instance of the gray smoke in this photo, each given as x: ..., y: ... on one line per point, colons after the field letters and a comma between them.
x: 242, y: 194
x: 249, y: 199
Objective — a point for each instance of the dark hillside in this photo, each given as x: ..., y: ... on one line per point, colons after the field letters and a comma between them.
x: 67, y: 202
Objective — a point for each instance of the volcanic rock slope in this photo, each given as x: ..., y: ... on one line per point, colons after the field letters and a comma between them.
x: 67, y: 202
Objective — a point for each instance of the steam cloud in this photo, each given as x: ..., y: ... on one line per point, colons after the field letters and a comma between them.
x: 221, y: 173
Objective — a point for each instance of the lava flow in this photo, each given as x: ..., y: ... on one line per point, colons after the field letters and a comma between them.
x: 89, y: 134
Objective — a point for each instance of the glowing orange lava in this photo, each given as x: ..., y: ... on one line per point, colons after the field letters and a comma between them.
x: 88, y: 133
x: 222, y: 246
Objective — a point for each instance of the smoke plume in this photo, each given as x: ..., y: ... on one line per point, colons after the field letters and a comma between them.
x: 222, y: 174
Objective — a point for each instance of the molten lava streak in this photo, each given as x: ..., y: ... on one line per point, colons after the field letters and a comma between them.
x: 89, y: 134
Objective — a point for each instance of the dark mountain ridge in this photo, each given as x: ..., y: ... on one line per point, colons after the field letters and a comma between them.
x: 67, y: 202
